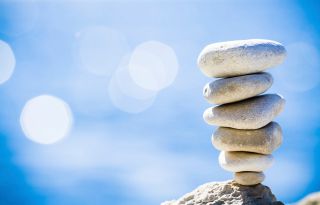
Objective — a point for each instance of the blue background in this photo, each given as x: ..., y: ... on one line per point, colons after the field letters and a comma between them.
x: 115, y: 157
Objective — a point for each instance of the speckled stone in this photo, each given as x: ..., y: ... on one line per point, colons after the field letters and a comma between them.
x: 234, y: 58
x: 252, y: 113
x: 234, y: 89
x: 264, y: 140
x: 227, y: 193
x: 249, y: 178
x: 244, y: 161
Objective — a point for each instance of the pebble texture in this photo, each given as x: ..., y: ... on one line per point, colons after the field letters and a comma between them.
x: 234, y: 58
x: 237, y: 88
x: 249, y: 178
x: 227, y: 193
x: 264, y: 140
x: 252, y: 113
x: 244, y: 161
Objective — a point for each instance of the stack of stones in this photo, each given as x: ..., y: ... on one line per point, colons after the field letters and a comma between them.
x: 246, y: 135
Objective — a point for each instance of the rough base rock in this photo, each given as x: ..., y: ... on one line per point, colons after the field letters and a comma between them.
x: 227, y: 193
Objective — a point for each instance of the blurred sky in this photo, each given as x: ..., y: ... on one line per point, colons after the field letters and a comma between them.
x: 119, y: 83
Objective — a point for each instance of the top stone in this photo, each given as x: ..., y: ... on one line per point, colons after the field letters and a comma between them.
x: 234, y: 58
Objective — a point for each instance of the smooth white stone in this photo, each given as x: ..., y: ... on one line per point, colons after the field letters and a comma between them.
x: 252, y: 113
x: 234, y: 89
x: 244, y: 161
x: 234, y: 58
x: 249, y: 178
x: 264, y: 140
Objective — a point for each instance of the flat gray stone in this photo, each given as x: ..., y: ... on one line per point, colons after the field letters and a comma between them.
x: 244, y: 161
x: 252, y: 113
x: 234, y: 58
x: 234, y: 89
x: 227, y: 193
x: 249, y: 178
x: 264, y: 140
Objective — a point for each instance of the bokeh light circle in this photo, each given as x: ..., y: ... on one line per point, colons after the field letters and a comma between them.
x: 7, y: 62
x: 100, y: 49
x: 46, y: 119
x: 126, y: 95
x: 126, y: 84
x: 153, y: 65
x: 302, y: 68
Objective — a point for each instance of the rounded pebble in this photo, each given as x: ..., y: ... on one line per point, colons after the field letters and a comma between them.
x: 234, y: 58
x: 252, y: 113
x: 249, y: 178
x: 264, y: 140
x: 234, y: 89
x: 244, y: 161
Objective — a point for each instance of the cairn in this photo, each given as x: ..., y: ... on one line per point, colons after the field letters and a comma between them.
x: 246, y: 135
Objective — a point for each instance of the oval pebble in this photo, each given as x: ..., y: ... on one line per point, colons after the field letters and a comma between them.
x: 237, y: 88
x: 234, y: 58
x: 252, y: 113
x: 264, y: 140
x: 244, y: 161
x: 249, y: 178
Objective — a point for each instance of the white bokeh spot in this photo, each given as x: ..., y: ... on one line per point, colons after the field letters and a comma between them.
x: 7, y: 62
x: 46, y: 119
x: 125, y: 94
x: 126, y: 84
x: 153, y: 65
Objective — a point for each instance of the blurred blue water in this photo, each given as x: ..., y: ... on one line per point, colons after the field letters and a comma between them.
x: 114, y: 157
